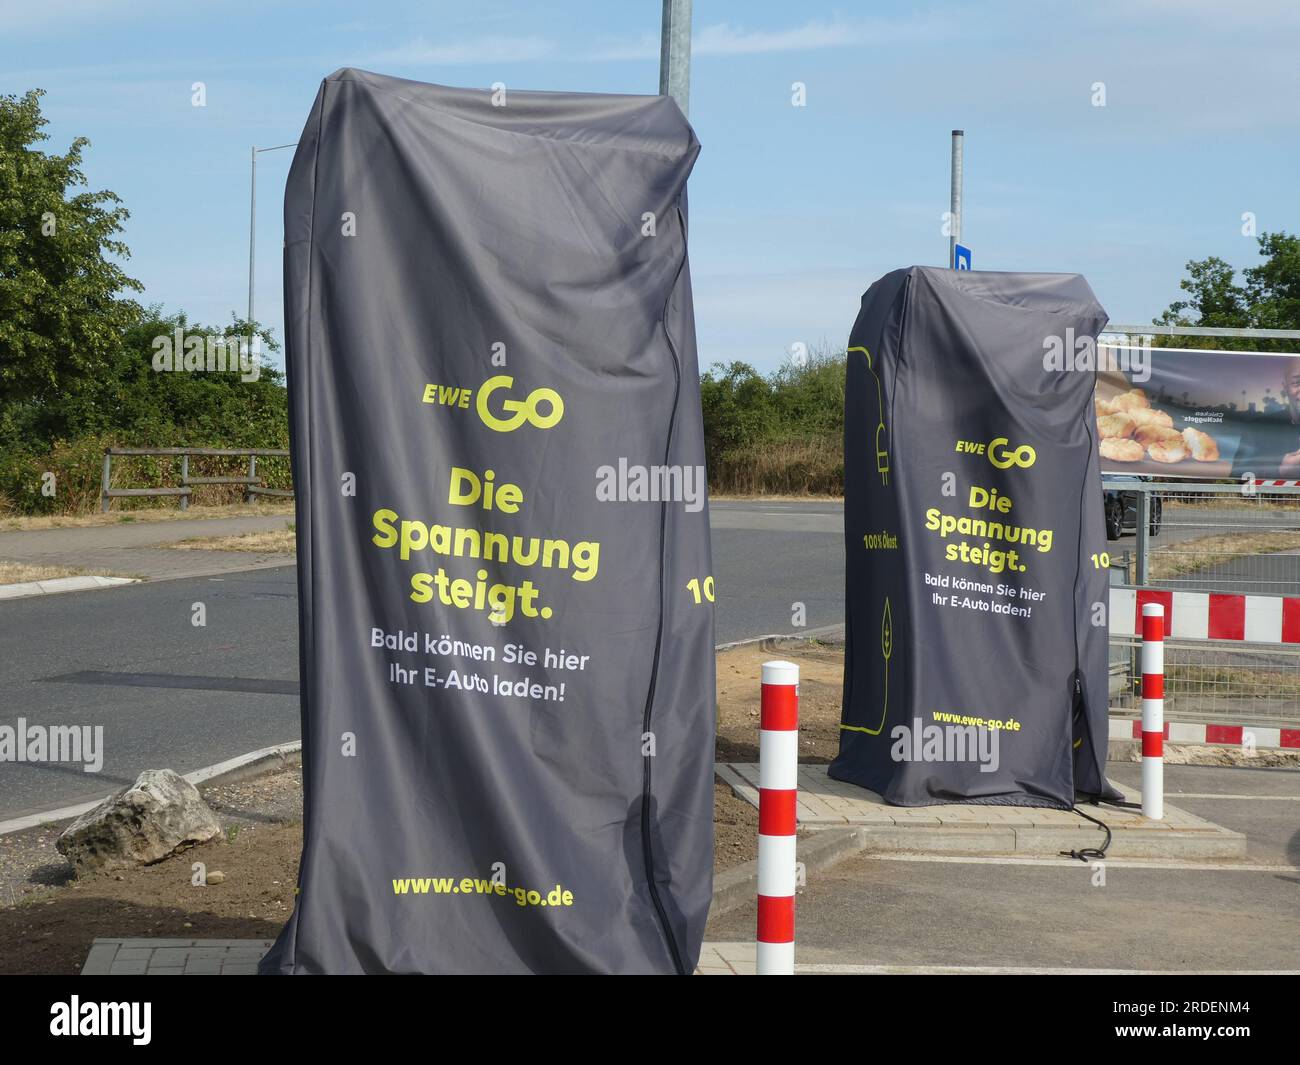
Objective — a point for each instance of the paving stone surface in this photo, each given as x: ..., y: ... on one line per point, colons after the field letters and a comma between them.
x: 174, y: 957
x: 824, y: 803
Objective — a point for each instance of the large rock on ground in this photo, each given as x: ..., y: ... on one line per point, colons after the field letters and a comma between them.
x: 153, y: 818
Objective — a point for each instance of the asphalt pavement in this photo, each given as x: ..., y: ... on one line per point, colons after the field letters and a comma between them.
x: 174, y: 695
x: 171, y: 694
x: 991, y: 912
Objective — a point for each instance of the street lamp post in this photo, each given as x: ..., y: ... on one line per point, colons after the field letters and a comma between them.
x: 252, y: 226
x: 252, y: 220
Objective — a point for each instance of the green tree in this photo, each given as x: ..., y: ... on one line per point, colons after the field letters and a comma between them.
x: 736, y: 402
x: 1273, y: 287
x: 809, y: 397
x: 139, y: 406
x: 62, y: 311
x: 1268, y: 297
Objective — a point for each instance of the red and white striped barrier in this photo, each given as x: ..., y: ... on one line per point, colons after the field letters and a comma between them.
x: 1257, y: 736
x: 1259, y: 483
x: 778, y: 791
x: 1153, y: 711
x: 1209, y: 615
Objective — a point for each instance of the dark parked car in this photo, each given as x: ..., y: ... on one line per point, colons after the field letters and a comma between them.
x: 1122, y: 510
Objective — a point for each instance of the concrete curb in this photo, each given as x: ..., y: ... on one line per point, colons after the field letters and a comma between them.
x: 963, y: 828
x: 1221, y: 755
x: 817, y: 850
x: 56, y: 585
x: 253, y: 764
x: 775, y: 637
x: 243, y: 766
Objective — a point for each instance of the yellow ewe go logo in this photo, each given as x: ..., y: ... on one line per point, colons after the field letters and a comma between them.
x: 1003, y: 457
x: 514, y: 412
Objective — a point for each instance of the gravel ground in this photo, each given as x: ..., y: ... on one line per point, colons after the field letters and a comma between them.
x: 48, y: 917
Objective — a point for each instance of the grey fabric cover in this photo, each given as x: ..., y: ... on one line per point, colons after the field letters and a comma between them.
x: 939, y: 359
x: 474, y: 225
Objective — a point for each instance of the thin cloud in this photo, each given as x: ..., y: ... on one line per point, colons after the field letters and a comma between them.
x: 459, y: 53
x: 722, y: 38
x: 725, y: 39
x: 644, y: 47
x: 51, y: 18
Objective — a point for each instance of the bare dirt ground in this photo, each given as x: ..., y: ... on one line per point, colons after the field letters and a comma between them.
x: 48, y: 917
x: 821, y: 678
x: 1205, y: 754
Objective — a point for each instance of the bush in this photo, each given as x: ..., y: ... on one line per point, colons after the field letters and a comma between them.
x: 780, y: 434
x: 77, y: 466
x: 129, y: 404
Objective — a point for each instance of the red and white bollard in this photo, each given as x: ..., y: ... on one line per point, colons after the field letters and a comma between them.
x: 1153, y: 711
x: 778, y: 790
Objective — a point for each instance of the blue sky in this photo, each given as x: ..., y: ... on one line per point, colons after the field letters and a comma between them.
x: 794, y: 211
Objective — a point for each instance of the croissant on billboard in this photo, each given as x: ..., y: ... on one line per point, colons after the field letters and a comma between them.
x: 1171, y: 412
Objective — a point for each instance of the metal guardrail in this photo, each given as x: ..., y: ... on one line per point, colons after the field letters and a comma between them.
x: 1212, y: 537
x: 252, y: 482
x: 1202, y: 331
x: 1240, y: 539
x: 1214, y: 681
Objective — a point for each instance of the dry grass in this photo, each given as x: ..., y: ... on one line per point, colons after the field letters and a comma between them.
x: 773, y: 497
x: 1276, y: 682
x: 794, y: 468
x: 195, y: 513
x: 1261, y: 500
x: 1206, y: 551
x: 280, y: 542
x: 21, y: 573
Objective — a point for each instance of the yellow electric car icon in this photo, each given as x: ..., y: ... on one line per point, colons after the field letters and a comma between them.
x: 882, y: 448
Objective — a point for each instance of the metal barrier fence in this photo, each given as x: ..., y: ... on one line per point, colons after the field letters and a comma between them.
x: 1232, y: 539
x: 1213, y: 681
x: 1216, y: 538
x: 253, y: 486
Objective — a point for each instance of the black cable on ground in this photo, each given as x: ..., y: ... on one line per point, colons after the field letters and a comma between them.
x: 1090, y: 854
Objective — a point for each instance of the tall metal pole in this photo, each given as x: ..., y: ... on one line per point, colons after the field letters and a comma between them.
x: 954, y: 231
x: 675, y: 53
x: 252, y: 227
x: 252, y: 220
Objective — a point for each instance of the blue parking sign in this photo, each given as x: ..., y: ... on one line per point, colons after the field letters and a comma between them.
x: 961, y: 257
